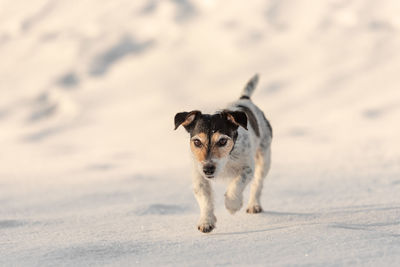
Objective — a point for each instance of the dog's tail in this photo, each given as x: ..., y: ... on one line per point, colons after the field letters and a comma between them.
x: 249, y: 88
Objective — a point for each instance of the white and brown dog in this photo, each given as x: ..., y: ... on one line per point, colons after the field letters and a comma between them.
x: 234, y: 143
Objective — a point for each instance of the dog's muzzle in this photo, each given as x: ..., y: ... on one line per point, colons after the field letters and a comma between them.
x: 209, y: 170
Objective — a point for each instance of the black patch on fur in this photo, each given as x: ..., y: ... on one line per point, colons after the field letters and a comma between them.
x: 239, y: 117
x: 209, y: 124
x: 252, y: 119
x: 244, y: 97
x: 181, y: 117
x: 268, y: 124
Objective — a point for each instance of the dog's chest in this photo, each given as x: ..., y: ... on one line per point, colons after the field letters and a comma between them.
x: 240, y: 157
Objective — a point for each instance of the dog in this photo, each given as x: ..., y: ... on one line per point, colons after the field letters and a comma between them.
x: 234, y: 143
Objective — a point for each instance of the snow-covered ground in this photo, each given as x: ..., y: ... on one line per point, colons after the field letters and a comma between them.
x: 91, y: 172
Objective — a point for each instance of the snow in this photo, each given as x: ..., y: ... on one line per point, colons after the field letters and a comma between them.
x: 92, y: 172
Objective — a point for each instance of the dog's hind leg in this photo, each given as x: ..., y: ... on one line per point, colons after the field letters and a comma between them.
x: 263, y: 163
x: 204, y: 196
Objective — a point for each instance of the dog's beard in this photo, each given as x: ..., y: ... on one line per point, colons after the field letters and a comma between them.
x: 219, y: 167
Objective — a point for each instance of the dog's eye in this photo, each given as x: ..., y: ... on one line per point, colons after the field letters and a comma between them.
x: 197, y: 143
x: 222, y: 142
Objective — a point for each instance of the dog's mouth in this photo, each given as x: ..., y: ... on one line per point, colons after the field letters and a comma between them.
x: 209, y: 176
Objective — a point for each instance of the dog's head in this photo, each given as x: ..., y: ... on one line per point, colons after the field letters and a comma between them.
x: 212, y: 137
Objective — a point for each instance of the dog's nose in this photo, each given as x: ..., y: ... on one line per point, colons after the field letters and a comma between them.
x: 208, y: 169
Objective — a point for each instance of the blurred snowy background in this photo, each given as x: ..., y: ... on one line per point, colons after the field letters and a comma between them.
x: 91, y: 172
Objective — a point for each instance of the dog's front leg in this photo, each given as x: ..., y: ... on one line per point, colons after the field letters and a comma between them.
x: 204, y: 196
x: 234, y: 193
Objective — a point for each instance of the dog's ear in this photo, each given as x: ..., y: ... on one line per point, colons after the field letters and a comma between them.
x: 238, y: 118
x: 186, y: 118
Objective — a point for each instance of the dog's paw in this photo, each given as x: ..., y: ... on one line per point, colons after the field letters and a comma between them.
x: 233, y: 204
x: 206, y: 225
x: 254, y: 209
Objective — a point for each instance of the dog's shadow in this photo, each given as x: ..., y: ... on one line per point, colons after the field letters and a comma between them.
x: 274, y: 213
x: 333, y: 219
x: 253, y: 231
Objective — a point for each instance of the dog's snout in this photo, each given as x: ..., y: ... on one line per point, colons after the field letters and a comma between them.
x: 209, y: 169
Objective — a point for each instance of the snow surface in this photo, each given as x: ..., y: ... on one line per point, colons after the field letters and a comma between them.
x: 92, y: 173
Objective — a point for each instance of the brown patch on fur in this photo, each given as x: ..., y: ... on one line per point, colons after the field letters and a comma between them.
x: 217, y: 151
x: 200, y: 152
x: 189, y: 119
x: 231, y: 119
